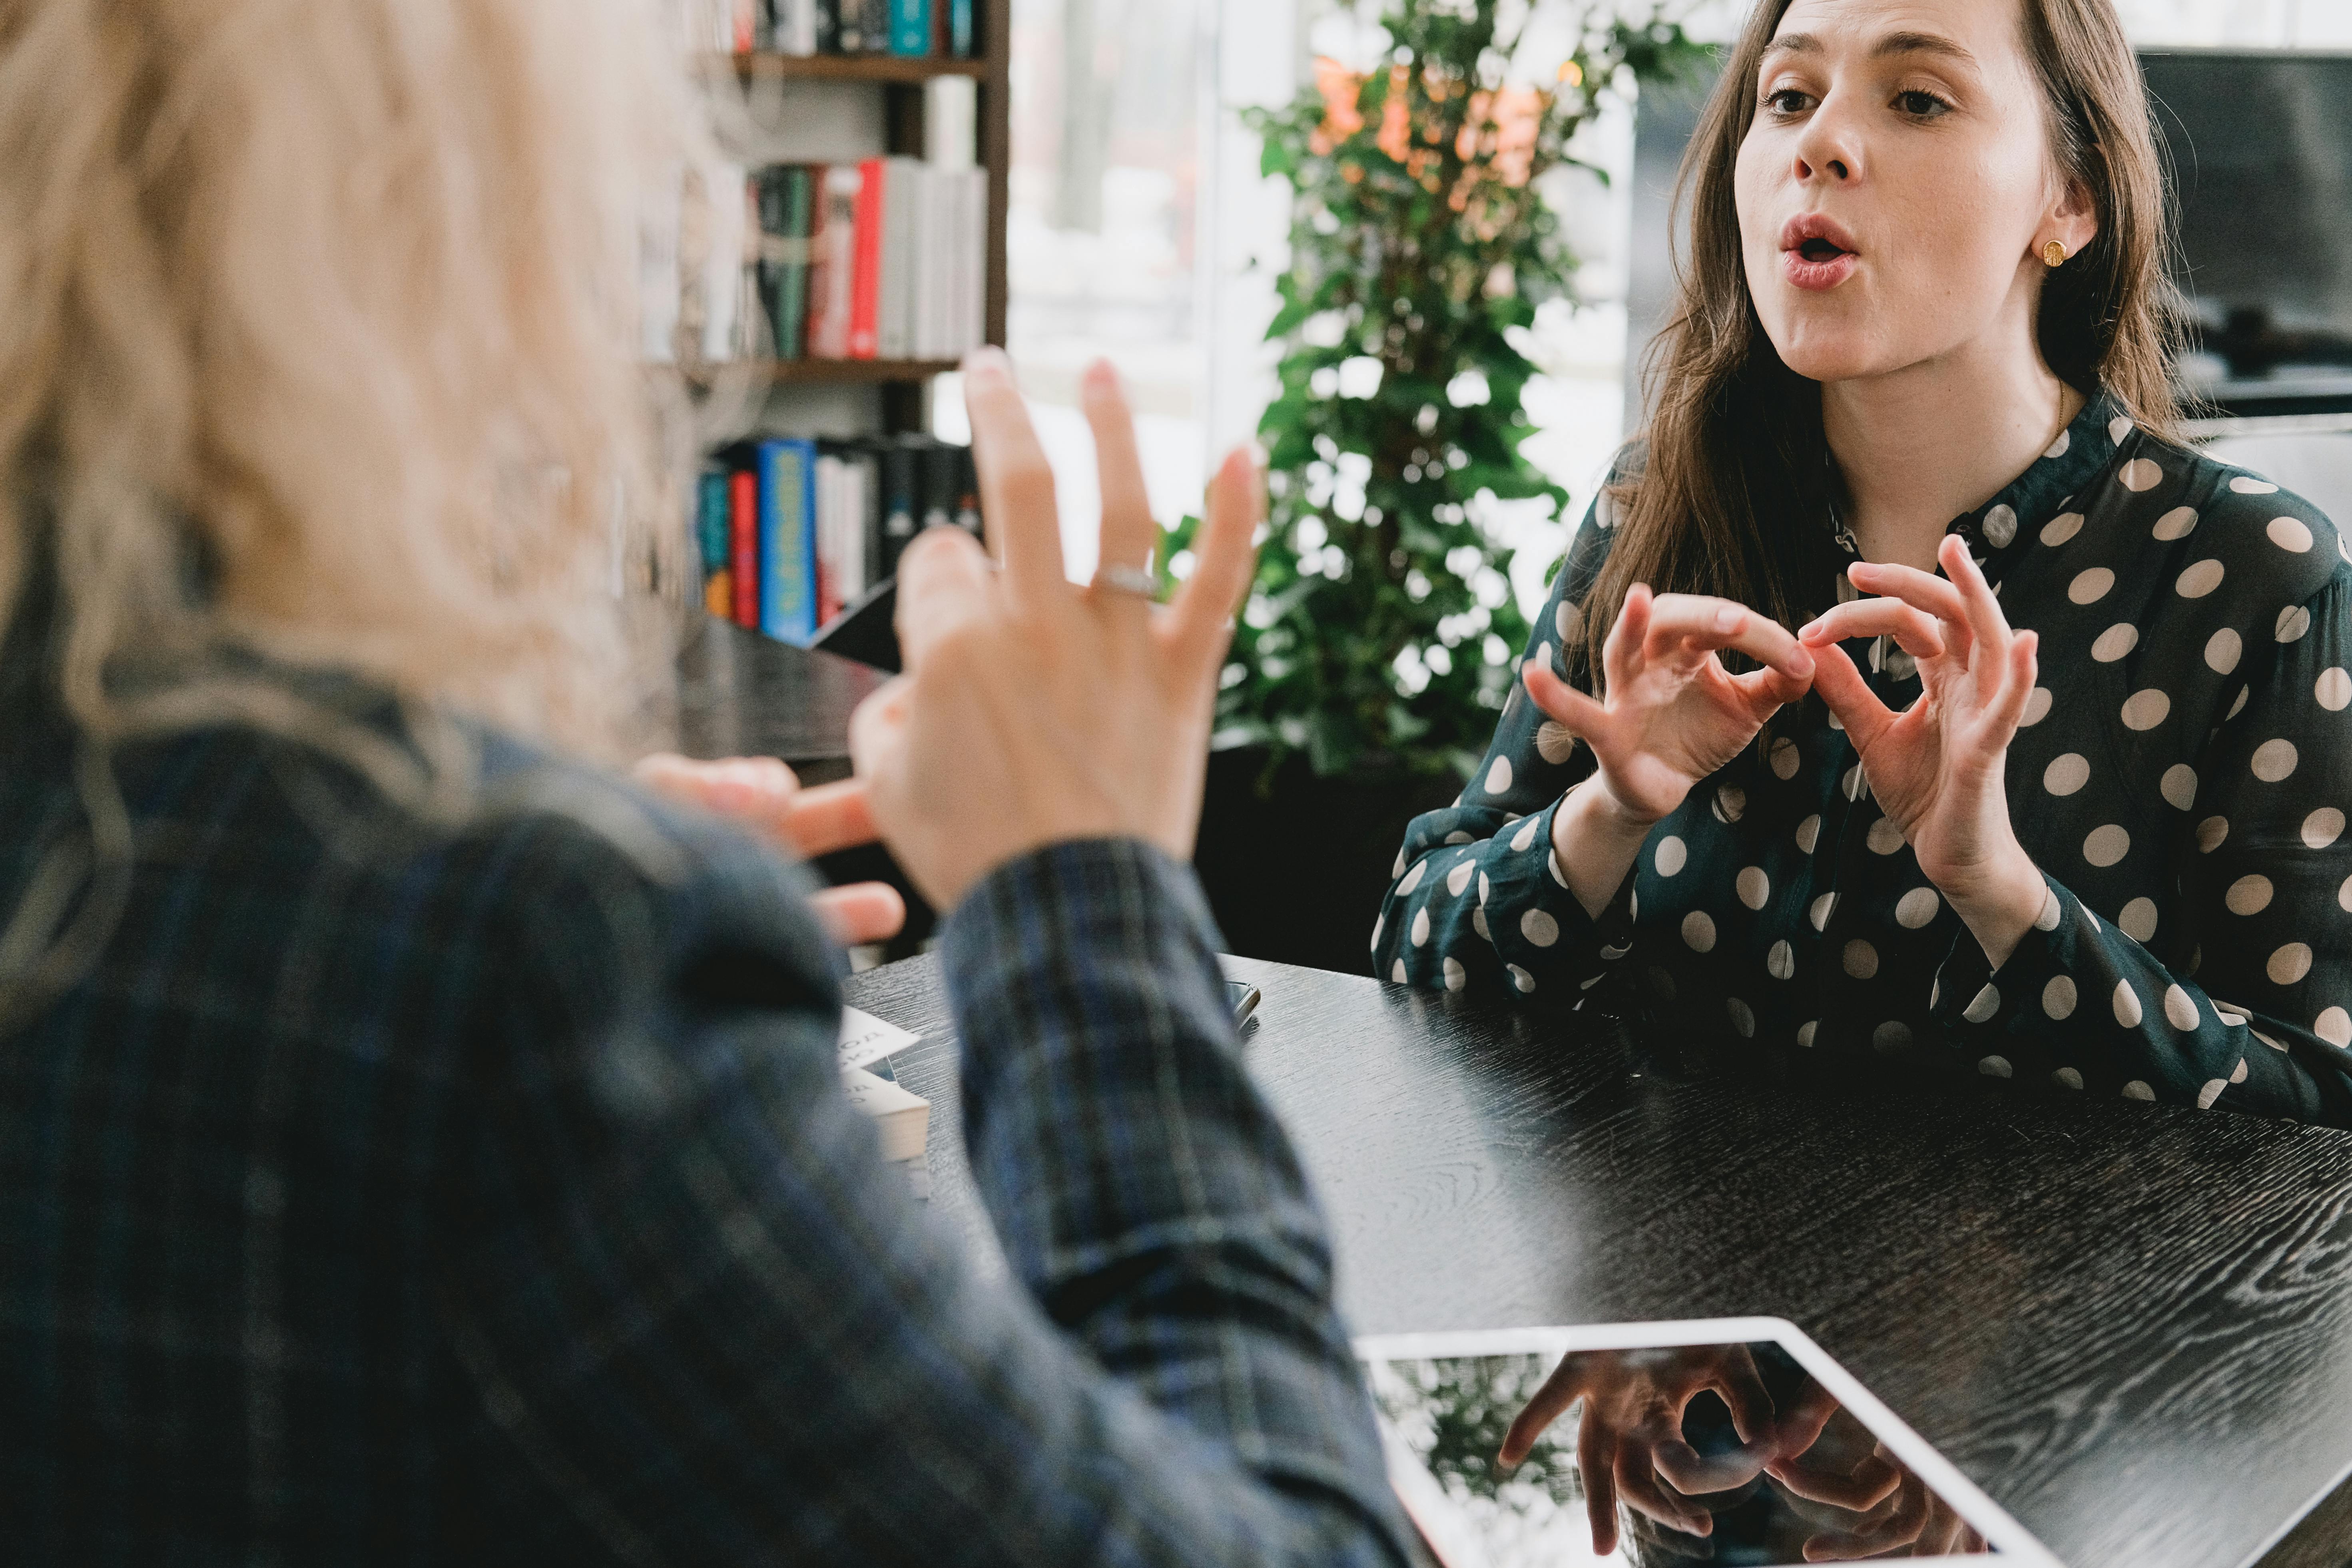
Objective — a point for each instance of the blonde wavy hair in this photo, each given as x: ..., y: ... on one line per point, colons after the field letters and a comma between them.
x: 315, y: 340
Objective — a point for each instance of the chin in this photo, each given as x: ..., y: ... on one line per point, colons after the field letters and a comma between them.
x: 1826, y: 350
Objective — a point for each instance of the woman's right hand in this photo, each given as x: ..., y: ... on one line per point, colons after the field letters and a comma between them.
x: 1670, y: 713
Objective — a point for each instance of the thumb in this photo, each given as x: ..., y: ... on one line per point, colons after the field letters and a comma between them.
x: 1865, y: 718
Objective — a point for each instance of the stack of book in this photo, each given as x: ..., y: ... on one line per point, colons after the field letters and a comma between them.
x: 907, y: 28
x: 792, y: 530
x: 902, y: 1119
x: 885, y: 258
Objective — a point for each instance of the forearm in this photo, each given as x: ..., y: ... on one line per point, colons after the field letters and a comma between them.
x: 1141, y: 1188
x: 1595, y: 844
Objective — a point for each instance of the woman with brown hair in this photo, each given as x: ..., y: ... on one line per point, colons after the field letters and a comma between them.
x: 2046, y: 784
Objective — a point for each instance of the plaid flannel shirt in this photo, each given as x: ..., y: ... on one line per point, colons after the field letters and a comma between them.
x: 383, y: 1193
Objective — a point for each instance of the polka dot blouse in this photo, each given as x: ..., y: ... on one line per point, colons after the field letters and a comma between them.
x: 2181, y: 779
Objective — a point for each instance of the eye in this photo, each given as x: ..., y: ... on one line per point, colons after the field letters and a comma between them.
x: 1787, y: 101
x: 1921, y: 104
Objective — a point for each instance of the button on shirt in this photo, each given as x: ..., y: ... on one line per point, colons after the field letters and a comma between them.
x: 2182, y: 778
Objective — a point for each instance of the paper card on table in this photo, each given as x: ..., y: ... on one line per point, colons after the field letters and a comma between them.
x: 866, y: 1040
x: 902, y: 1117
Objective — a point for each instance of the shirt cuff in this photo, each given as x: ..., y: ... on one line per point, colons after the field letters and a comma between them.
x: 2002, y: 1016
x: 1543, y: 935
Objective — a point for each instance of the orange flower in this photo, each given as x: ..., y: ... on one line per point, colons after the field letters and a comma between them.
x: 1341, y: 119
x: 1396, y: 127
x: 1502, y: 127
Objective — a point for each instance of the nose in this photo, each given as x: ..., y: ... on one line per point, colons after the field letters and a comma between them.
x: 1830, y: 147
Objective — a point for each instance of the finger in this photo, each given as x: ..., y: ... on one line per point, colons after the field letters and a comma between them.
x: 2017, y: 690
x: 1799, y: 1427
x: 1637, y: 1483
x: 943, y: 584
x: 755, y: 788
x: 1596, y: 1462
x: 1915, y: 632
x: 1865, y: 718
x: 1709, y: 623
x: 1224, y: 558
x: 1742, y: 1388
x: 1986, y: 621
x: 1572, y: 708
x: 831, y: 816
x: 1922, y: 590
x: 1690, y: 1472
x: 877, y: 729
x: 1127, y: 533
x: 1866, y: 1487
x: 1560, y: 1390
x: 1016, y: 486
x: 1766, y: 689
x: 1623, y: 645
x: 860, y: 912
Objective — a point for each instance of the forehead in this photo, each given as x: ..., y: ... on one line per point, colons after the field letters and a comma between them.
x: 1987, y: 29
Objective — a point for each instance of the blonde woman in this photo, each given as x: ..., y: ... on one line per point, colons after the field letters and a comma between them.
x: 416, y: 1147
x: 2037, y: 768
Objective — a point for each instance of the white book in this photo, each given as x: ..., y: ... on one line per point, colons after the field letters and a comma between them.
x: 971, y: 264
x: 723, y: 258
x: 833, y: 264
x: 902, y: 1117
x: 796, y: 26
x: 902, y: 206
x: 952, y: 123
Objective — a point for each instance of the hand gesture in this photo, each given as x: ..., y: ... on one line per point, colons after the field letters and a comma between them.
x: 1631, y: 1431
x: 1880, y: 1509
x: 1936, y: 767
x: 1032, y: 710
x: 762, y: 794
x: 1670, y: 713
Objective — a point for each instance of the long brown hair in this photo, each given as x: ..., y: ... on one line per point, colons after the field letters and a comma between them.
x: 1729, y: 496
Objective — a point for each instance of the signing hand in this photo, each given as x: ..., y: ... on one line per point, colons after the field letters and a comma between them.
x: 1882, y: 1509
x: 761, y: 793
x: 1033, y: 712
x: 1671, y: 713
x: 1936, y: 767
x: 1631, y: 1431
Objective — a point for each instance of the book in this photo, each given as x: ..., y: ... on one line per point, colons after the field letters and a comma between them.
x: 710, y: 519
x: 960, y: 41
x: 910, y: 28
x: 866, y: 278
x: 902, y: 513
x: 832, y: 260
x: 743, y: 541
x: 785, y: 202
x: 900, y: 1116
x: 902, y: 243
x: 866, y: 1040
x: 788, y: 586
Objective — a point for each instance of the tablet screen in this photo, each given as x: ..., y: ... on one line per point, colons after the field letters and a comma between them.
x: 1728, y: 1453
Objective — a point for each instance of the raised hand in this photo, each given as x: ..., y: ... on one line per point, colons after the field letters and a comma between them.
x: 1936, y: 767
x: 1032, y: 710
x: 1630, y: 1435
x: 764, y: 796
x: 1670, y: 714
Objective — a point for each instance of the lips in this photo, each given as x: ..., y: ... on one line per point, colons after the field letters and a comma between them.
x: 1817, y: 252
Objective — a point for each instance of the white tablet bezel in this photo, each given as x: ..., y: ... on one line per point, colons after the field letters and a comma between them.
x: 2001, y: 1532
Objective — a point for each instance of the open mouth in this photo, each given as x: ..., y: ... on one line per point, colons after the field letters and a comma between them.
x: 1818, y: 249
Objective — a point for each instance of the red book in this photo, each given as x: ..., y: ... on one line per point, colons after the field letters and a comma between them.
x: 865, y: 287
x: 743, y: 545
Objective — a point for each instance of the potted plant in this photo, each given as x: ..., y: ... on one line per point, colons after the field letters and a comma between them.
x: 1378, y: 644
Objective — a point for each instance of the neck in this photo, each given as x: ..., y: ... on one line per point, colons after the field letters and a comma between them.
x: 1920, y: 446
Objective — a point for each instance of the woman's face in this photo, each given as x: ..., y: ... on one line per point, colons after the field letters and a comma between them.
x: 1897, y: 184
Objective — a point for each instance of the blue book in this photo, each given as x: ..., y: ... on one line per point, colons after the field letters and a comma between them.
x: 788, y: 539
x: 960, y: 39
x: 710, y: 519
x: 910, y: 28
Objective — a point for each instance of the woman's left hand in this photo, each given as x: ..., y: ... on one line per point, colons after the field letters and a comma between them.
x: 1936, y: 767
x: 764, y: 796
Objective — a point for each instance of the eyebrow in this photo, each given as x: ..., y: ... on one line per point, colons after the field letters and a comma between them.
x: 1892, y: 44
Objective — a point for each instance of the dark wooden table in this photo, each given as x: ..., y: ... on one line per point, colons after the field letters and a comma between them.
x: 741, y: 694
x: 2131, y: 1325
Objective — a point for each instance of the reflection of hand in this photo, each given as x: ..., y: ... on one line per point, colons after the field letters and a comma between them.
x: 1032, y: 711
x: 761, y: 793
x: 1892, y: 1510
x: 1631, y: 1431
x: 1671, y: 714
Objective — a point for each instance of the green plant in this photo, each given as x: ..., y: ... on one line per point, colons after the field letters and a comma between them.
x: 1380, y: 633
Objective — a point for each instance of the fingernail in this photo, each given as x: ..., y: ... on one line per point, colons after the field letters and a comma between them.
x: 1101, y: 376
x: 987, y: 366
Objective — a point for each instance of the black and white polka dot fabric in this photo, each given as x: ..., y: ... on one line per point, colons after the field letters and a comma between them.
x: 2181, y: 779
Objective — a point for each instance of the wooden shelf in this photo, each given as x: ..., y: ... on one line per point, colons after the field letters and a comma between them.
x: 836, y: 371
x: 888, y: 69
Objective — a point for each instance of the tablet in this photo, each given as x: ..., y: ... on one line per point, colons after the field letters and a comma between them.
x: 1735, y: 1442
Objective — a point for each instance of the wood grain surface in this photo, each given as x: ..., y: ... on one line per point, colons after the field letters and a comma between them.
x: 2131, y: 1325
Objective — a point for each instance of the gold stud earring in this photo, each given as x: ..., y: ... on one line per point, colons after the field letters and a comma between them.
x: 2053, y: 253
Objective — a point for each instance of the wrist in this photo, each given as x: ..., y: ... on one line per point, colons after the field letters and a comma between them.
x: 2000, y: 904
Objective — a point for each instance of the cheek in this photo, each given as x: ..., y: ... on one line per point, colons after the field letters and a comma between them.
x: 1964, y: 224
x: 1760, y: 243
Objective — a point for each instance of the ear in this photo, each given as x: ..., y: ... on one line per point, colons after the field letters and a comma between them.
x: 2073, y: 221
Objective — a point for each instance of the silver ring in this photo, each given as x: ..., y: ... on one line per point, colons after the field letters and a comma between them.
x: 1128, y: 580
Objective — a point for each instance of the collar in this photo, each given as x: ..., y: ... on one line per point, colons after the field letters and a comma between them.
x: 2065, y: 469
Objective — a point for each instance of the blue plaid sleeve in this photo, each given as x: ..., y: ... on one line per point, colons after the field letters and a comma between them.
x: 705, y: 1323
